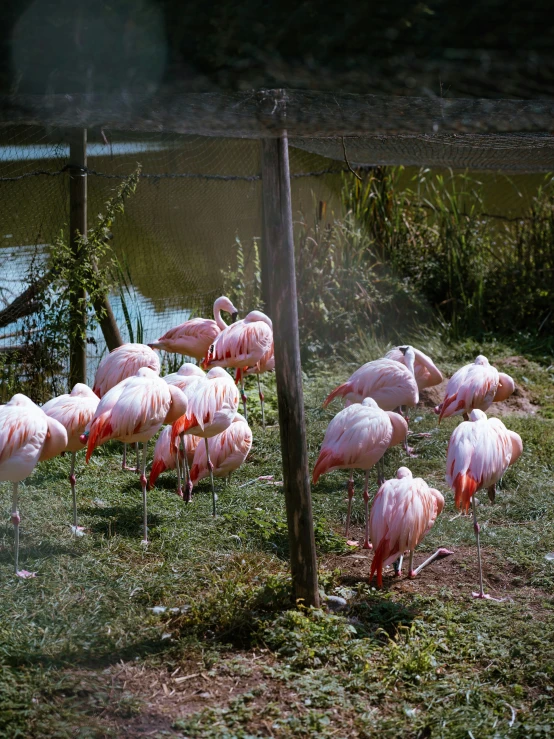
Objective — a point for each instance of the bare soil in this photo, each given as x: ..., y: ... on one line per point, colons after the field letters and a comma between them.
x: 520, y: 402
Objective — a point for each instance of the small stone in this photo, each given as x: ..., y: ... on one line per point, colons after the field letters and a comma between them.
x: 335, y: 602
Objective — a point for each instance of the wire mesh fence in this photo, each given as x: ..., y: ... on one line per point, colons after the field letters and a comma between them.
x: 198, y: 198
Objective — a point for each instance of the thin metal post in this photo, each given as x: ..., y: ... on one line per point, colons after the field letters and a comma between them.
x: 280, y: 289
x: 77, y: 225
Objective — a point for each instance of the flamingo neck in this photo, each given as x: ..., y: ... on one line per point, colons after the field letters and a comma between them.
x: 217, y: 316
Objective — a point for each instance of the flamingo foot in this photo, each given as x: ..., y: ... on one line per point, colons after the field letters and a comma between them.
x: 486, y: 596
x: 144, y: 542
x: 412, y: 574
x: 25, y: 574
x: 352, y: 543
x: 367, y: 545
x: 410, y: 451
x: 78, y: 530
x: 187, y: 497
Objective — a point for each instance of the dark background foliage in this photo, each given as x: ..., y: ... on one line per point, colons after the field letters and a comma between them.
x: 492, y: 48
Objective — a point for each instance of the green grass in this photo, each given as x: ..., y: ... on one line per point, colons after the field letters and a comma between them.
x: 81, y: 647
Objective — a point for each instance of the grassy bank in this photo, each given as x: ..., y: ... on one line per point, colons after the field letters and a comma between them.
x: 86, y: 652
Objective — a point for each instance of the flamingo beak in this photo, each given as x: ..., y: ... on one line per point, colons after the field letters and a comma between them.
x: 234, y: 317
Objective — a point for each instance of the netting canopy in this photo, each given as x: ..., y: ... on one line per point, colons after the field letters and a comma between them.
x: 200, y: 190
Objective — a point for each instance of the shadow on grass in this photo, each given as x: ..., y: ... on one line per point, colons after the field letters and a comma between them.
x: 118, y: 520
x: 380, y: 613
x: 35, y: 551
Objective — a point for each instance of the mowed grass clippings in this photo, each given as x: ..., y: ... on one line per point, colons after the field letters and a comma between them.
x: 196, y: 635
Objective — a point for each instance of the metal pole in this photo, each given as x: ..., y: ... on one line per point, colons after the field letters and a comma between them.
x: 77, y: 225
x: 280, y: 275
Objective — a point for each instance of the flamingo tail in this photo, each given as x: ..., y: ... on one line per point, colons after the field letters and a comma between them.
x: 377, y: 562
x: 339, y: 391
x: 326, y: 460
x: 465, y: 488
x: 100, y: 431
x: 158, y: 466
x: 447, y: 404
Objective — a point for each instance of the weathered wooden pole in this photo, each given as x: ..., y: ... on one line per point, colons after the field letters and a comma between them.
x: 280, y: 289
x: 77, y: 225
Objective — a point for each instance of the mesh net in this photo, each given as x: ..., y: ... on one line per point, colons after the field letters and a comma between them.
x: 196, y: 198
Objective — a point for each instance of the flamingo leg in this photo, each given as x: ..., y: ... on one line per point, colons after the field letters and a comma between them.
x: 144, y: 500
x: 124, y: 461
x: 438, y: 554
x: 398, y: 566
x: 178, y: 468
x: 15, y: 521
x: 211, y: 468
x: 76, y: 529
x: 380, y: 471
x: 481, y: 594
x: 367, y: 544
x: 137, y: 468
x: 188, y: 484
x: 260, y: 393
x: 243, y: 394
x: 350, y: 489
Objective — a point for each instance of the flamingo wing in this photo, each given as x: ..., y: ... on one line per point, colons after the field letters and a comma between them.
x: 121, y: 363
x: 20, y: 427
x: 472, y: 386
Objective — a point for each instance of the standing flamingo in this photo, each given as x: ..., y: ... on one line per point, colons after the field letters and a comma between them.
x: 228, y: 450
x: 358, y: 437
x: 134, y: 411
x: 479, y: 453
x: 27, y: 436
x: 402, y: 513
x: 241, y: 345
x: 123, y: 362
x: 266, y: 364
x: 74, y: 411
x: 475, y: 385
x: 186, y: 379
x: 193, y: 338
x: 167, y: 455
x: 211, y: 409
x: 426, y: 373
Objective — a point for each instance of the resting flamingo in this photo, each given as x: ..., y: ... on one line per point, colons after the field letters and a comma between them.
x: 403, y: 511
x: 358, y: 437
x: 266, y: 364
x: 475, y: 385
x: 390, y: 383
x: 123, y: 362
x: 186, y: 378
x: 134, y: 411
x: 74, y: 411
x: 479, y: 453
x: 166, y: 457
x: 228, y: 450
x: 426, y: 373
x: 241, y: 345
x: 27, y: 436
x: 193, y: 338
x: 212, y: 407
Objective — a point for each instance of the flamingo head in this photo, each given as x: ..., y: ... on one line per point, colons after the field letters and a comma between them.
x: 477, y: 415
x: 82, y: 391
x: 402, y: 472
x: 482, y: 360
x: 223, y: 303
x: 188, y: 369
x: 369, y: 403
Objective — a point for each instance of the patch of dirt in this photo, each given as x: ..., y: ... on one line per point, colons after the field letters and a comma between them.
x: 520, y: 402
x: 458, y: 573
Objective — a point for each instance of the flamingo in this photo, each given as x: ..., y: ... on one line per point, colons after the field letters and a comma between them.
x: 134, y: 411
x: 425, y: 371
x: 359, y: 436
x: 186, y: 378
x: 166, y: 458
x: 266, y: 364
x: 241, y: 345
x: 212, y: 407
x: 123, y: 362
x: 403, y: 511
x: 479, y: 453
x: 475, y: 385
x: 228, y: 450
x: 74, y: 411
x: 193, y: 338
x: 27, y: 436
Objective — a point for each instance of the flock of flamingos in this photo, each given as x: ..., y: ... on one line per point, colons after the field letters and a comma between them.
x: 131, y: 403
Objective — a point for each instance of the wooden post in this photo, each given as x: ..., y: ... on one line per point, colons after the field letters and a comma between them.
x: 77, y: 224
x: 278, y: 255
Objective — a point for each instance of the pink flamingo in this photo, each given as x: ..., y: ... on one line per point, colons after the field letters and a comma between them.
x: 358, y: 437
x: 475, y: 385
x: 479, y: 453
x: 166, y: 457
x: 134, y: 411
x: 27, y: 436
x: 228, y: 450
x: 212, y: 407
x: 403, y: 511
x: 241, y: 345
x: 266, y: 364
x: 186, y: 379
x: 123, y: 362
x: 425, y: 371
x: 74, y: 411
x: 193, y: 338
